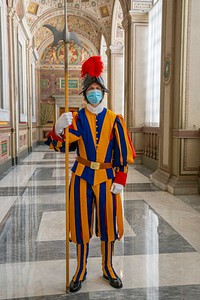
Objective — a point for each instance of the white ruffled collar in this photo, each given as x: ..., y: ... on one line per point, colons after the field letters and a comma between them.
x: 95, y: 110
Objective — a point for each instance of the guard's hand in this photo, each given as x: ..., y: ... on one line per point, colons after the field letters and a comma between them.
x: 63, y: 121
x: 116, y: 188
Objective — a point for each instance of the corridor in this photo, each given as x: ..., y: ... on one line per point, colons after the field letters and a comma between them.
x: 158, y: 258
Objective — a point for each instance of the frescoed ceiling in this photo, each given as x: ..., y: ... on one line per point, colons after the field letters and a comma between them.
x: 87, y: 18
x: 79, y: 25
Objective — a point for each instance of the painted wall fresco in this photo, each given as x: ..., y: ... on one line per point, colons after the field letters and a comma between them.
x: 52, y: 83
x: 52, y: 80
x: 55, y: 56
x: 4, y: 147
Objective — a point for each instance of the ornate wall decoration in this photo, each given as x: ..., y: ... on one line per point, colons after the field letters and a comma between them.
x: 167, y: 70
x: 142, y: 5
x: 118, y: 32
x: 4, y: 147
x: 79, y: 25
x: 20, y: 9
x: 56, y: 83
x: 97, y: 13
x: 23, y: 139
x: 45, y: 84
x: 32, y: 8
x: 76, y: 55
x: 104, y: 11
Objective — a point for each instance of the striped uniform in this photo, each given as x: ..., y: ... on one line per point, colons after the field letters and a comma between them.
x: 99, y: 138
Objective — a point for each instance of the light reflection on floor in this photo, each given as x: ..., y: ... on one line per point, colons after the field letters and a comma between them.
x: 158, y: 257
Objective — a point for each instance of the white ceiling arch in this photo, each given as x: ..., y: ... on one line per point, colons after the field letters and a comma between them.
x: 80, y: 25
x: 97, y: 15
x: 85, y: 25
x: 90, y: 19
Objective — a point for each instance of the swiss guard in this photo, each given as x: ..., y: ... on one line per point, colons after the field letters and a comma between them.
x: 104, y: 150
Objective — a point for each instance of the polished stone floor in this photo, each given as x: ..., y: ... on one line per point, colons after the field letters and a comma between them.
x: 158, y: 257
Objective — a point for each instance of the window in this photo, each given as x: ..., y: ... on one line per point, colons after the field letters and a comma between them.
x: 20, y: 79
x: 1, y: 65
x: 33, y: 92
x: 152, y: 117
x: 21, y: 73
x: 4, y: 81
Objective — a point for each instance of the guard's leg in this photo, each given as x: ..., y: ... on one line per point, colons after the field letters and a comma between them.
x: 80, y: 210
x: 81, y: 215
x: 107, y: 249
x: 109, y: 213
x: 81, y: 270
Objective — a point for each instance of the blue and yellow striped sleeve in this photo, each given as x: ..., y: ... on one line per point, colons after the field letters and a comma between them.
x: 124, y: 152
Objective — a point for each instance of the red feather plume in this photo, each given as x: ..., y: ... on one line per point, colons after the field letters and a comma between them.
x: 93, y: 66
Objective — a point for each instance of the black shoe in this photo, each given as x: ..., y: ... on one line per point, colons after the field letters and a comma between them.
x: 115, y: 282
x: 75, y: 286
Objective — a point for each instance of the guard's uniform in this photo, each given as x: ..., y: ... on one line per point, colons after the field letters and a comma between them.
x: 103, y: 152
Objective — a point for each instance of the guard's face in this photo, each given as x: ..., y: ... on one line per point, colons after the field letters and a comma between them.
x: 94, y: 94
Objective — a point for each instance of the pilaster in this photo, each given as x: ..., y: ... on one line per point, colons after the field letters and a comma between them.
x: 117, y: 78
x: 10, y: 18
x: 110, y: 104
x: 136, y: 44
x: 29, y: 98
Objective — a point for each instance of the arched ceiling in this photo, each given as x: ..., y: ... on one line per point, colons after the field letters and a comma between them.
x: 88, y: 18
x: 81, y: 26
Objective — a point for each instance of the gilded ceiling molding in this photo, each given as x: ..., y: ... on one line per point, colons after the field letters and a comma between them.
x: 142, y: 6
x: 93, y: 33
x: 45, y: 44
x: 81, y: 26
x: 51, y: 13
x: 55, y: 12
x: 94, y: 21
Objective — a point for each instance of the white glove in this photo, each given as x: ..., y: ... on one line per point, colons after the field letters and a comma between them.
x: 63, y: 121
x: 116, y: 188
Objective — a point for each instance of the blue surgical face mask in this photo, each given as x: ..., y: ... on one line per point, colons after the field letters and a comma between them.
x: 94, y: 96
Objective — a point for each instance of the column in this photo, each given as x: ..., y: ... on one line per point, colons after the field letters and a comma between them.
x: 135, y: 77
x: 13, y: 108
x: 107, y: 75
x: 29, y: 96
x: 180, y: 105
x: 117, y: 79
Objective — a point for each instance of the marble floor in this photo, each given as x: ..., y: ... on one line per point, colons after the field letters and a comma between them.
x: 158, y: 257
